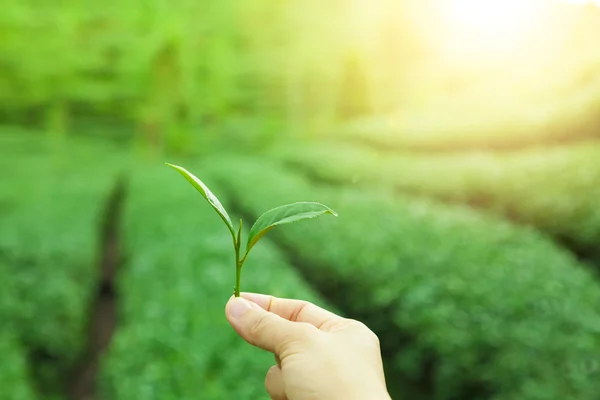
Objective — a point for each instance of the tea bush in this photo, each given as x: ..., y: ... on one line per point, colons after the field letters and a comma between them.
x: 173, y: 341
x: 51, y: 212
x: 14, y: 377
x: 467, y: 306
x: 553, y: 189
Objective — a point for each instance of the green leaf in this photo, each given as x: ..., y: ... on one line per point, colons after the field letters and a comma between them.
x: 208, y: 195
x: 284, y: 215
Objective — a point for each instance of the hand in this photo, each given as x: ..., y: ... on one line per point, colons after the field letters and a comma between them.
x: 319, y: 355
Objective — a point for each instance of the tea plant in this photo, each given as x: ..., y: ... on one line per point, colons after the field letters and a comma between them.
x: 281, y: 215
x: 555, y: 190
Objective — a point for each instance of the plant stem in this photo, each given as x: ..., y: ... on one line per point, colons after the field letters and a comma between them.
x: 238, y: 263
x: 238, y: 271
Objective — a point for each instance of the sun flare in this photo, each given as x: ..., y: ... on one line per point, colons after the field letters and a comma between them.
x: 491, y: 16
x: 479, y: 25
x: 489, y: 32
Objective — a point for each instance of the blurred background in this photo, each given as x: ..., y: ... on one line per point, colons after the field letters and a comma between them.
x: 459, y: 141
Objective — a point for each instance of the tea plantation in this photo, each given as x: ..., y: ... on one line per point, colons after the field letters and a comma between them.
x: 458, y: 141
x: 465, y: 266
x: 51, y: 211
x: 499, y: 311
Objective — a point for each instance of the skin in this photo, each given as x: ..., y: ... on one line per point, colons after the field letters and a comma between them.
x: 319, y: 355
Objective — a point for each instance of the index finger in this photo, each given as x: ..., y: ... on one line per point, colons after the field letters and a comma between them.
x: 292, y: 309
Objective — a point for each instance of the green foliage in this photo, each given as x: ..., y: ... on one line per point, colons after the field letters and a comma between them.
x: 285, y: 214
x: 175, y: 70
x: 553, y: 189
x: 174, y: 73
x: 174, y: 341
x: 278, y: 216
x: 48, y: 255
x: 208, y: 195
x: 466, y: 306
x: 14, y: 379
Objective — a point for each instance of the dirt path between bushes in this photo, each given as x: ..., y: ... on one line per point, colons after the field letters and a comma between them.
x: 80, y: 382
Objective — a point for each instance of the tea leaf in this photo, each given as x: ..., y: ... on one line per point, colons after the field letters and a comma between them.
x: 208, y: 195
x: 284, y: 215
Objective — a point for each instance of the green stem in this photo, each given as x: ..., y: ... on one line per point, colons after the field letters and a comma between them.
x: 238, y: 271
x: 238, y: 263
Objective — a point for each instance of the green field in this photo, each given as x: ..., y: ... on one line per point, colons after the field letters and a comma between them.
x: 462, y: 155
x: 467, y: 304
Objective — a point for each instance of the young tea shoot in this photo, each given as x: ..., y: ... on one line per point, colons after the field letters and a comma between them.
x: 278, y: 216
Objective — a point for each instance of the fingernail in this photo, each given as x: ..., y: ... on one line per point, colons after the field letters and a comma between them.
x: 238, y: 306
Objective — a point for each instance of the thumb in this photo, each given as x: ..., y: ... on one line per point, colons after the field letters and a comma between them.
x: 262, y: 328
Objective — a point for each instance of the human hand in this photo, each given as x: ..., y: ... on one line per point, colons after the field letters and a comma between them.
x: 319, y: 355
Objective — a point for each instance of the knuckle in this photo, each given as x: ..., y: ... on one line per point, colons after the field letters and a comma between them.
x: 365, y: 333
x: 374, y: 339
x: 358, y: 326
x: 371, y: 337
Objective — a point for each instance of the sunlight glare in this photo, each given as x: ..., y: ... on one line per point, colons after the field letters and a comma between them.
x: 582, y: 2
x: 487, y: 30
x: 491, y: 17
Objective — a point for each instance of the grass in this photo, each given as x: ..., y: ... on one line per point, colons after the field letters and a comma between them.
x: 467, y: 306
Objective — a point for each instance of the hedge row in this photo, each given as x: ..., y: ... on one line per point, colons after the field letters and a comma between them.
x: 51, y: 205
x: 14, y: 375
x: 467, y: 306
x: 173, y: 341
x: 555, y: 190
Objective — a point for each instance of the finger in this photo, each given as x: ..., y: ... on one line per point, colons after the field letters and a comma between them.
x: 293, y: 310
x: 262, y: 328
x: 274, y: 383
